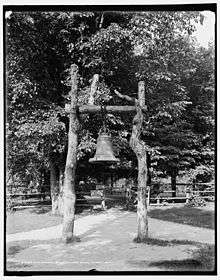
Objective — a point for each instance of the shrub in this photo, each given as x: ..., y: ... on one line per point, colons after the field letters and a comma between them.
x: 195, y: 201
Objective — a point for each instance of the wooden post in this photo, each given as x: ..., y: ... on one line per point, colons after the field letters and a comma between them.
x: 173, y: 182
x: 138, y: 147
x: 158, y: 200
x: 188, y: 194
x: 69, y: 196
x: 93, y: 89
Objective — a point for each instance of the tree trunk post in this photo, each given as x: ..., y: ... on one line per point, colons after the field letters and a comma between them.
x: 138, y: 147
x: 54, y: 190
x: 93, y: 88
x: 173, y: 183
x: 148, y: 196
x: 69, y: 195
x: 60, y: 197
x: 149, y: 179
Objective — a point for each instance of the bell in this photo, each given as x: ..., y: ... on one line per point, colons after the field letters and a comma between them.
x: 104, y: 151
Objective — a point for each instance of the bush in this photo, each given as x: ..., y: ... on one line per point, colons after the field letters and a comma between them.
x: 202, y: 173
x: 195, y: 201
x: 9, y: 205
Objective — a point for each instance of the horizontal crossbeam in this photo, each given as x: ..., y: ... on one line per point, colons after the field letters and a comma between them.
x: 85, y: 109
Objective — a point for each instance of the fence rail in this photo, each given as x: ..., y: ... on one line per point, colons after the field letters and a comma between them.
x: 27, y: 194
x: 85, y: 196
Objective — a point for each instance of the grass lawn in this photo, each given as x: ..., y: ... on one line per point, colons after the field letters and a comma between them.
x: 37, y: 218
x: 30, y: 219
x: 198, y: 217
x: 40, y: 217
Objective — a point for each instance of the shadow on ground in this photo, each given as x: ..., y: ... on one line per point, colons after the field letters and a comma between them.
x: 165, y: 243
x: 173, y: 265
x: 186, y: 264
x: 13, y: 250
x: 185, y: 215
x: 203, y: 259
x: 181, y: 265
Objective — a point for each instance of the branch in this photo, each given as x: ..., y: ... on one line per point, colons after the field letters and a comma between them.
x: 44, y: 101
x: 126, y: 97
x: 101, y: 21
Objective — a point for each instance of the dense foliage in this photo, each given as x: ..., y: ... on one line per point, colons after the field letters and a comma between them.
x: 123, y: 48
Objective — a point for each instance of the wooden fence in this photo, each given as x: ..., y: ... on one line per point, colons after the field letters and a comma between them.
x: 84, y: 198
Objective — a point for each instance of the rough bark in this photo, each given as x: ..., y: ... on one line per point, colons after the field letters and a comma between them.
x: 60, y: 197
x: 69, y: 195
x: 93, y: 89
x: 92, y: 109
x: 173, y: 183
x: 149, y: 178
x: 138, y: 147
x: 54, y: 189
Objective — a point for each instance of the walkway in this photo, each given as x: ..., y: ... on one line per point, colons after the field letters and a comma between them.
x: 106, y: 244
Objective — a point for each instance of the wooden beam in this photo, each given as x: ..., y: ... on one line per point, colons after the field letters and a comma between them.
x: 93, y: 88
x: 84, y: 109
x: 95, y: 109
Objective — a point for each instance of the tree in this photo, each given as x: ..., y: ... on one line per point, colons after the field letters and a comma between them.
x: 200, y: 114
x: 37, y: 58
x: 167, y: 67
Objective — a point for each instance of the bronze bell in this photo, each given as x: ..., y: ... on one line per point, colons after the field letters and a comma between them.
x: 104, y: 151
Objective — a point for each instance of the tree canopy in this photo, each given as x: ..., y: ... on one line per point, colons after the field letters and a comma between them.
x: 123, y: 48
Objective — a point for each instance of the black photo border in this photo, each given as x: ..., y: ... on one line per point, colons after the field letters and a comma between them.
x: 164, y: 7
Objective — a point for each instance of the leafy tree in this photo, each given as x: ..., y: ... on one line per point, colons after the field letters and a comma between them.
x: 200, y: 114
x: 37, y: 58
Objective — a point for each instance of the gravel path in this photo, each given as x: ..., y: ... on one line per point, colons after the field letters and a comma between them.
x: 81, y: 226
x: 106, y: 244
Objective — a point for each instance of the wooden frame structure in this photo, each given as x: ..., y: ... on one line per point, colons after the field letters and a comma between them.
x: 137, y: 145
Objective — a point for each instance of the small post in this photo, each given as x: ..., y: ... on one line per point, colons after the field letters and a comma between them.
x: 187, y: 198
x: 187, y: 194
x: 194, y: 185
x: 103, y: 206
x: 158, y: 200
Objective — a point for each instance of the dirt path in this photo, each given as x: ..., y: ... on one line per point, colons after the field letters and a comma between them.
x: 106, y: 244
